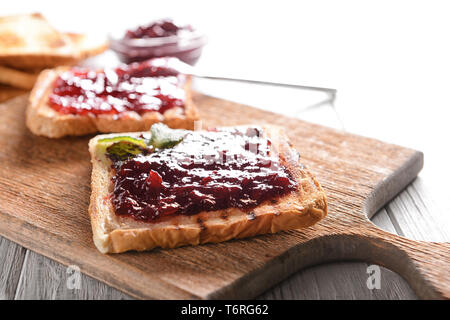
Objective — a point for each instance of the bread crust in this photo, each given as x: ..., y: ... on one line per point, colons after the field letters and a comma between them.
x: 28, y: 41
x: 43, y: 120
x: 114, y: 234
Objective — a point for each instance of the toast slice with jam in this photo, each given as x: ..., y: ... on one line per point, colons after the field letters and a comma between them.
x: 78, y: 101
x: 168, y: 188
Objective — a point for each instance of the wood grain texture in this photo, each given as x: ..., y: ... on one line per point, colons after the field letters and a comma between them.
x: 45, y: 194
x: 345, y: 280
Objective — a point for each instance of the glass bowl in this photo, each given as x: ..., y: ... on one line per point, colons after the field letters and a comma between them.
x: 186, y: 47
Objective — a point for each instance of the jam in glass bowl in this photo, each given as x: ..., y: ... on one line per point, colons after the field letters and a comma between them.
x: 159, y: 38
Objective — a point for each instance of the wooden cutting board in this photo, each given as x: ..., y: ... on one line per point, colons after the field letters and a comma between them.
x: 44, y: 197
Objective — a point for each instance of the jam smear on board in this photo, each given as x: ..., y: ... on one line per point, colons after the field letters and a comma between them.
x: 207, y: 171
x: 152, y: 85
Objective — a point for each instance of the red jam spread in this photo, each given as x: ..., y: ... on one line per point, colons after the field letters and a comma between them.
x: 207, y: 171
x: 158, y: 29
x: 153, y: 85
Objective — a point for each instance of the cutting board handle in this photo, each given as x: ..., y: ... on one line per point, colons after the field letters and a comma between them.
x: 424, y: 265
